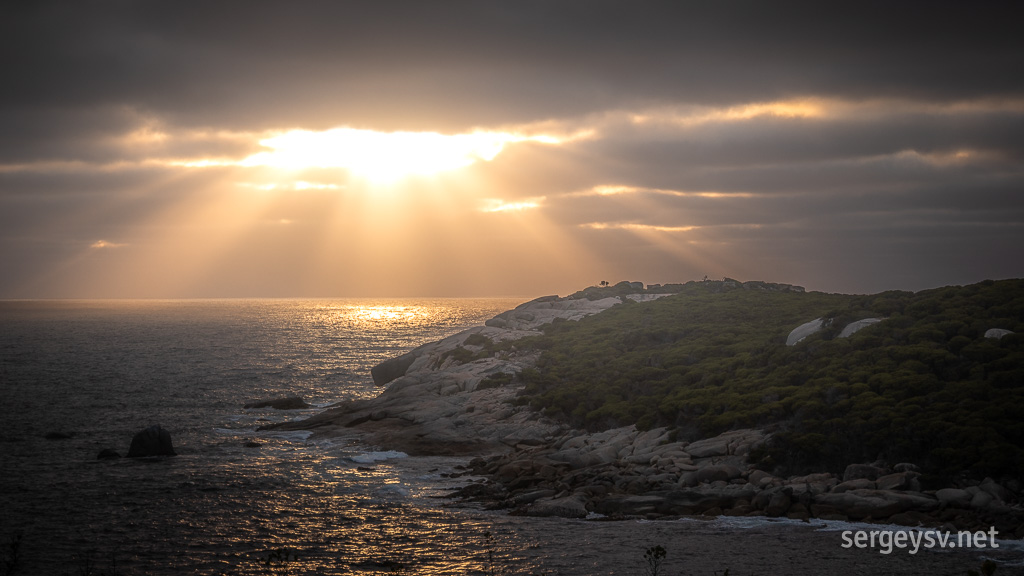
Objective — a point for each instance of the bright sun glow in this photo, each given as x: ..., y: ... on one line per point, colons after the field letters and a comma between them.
x: 383, y: 156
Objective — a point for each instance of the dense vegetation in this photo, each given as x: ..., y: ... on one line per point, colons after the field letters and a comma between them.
x: 923, y: 386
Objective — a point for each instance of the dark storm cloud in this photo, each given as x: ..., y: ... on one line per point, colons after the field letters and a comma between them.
x: 943, y: 159
x: 100, y: 135
x: 870, y: 210
x: 780, y: 140
x: 259, y: 64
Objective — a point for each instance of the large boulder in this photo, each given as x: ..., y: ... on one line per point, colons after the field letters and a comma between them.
x: 779, y: 503
x: 153, y: 441
x: 954, y: 497
x: 858, y: 484
x: 858, y: 471
x: 996, y: 490
x: 715, y: 472
x: 861, y: 504
x: 708, y: 447
x: 761, y: 479
x: 393, y: 368
x: 897, y: 481
x: 981, y: 499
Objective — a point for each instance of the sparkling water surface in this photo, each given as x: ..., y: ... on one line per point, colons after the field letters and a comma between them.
x: 98, y: 371
x: 95, y: 372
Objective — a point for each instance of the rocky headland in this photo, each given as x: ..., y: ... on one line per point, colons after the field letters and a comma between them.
x: 434, y: 404
x: 456, y: 397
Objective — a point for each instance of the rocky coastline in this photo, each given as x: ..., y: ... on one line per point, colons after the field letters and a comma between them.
x: 444, y: 399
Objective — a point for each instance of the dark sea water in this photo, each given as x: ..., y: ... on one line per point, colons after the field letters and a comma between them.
x: 99, y: 371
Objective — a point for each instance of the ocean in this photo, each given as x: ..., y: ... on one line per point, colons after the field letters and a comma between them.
x: 82, y: 376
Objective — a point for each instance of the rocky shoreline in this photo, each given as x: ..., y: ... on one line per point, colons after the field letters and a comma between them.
x: 623, y: 473
x: 444, y: 399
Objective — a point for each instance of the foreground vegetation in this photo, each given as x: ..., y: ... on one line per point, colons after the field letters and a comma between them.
x: 923, y: 386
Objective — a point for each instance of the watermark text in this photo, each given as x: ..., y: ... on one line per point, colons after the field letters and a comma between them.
x: 913, y: 540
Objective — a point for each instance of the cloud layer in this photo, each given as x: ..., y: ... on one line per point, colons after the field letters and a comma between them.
x: 847, y: 148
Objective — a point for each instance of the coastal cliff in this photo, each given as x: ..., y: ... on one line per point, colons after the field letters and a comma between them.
x: 532, y: 395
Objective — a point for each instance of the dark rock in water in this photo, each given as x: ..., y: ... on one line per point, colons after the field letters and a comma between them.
x: 252, y: 444
x: 153, y: 441
x: 107, y: 454
x: 57, y: 436
x: 289, y: 403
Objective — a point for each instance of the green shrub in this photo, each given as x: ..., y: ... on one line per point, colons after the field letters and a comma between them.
x: 920, y: 386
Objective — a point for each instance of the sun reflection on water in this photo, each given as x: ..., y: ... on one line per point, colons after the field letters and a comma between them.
x: 405, y: 314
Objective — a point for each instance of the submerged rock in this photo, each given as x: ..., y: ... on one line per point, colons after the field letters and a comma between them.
x: 107, y: 454
x: 153, y: 441
x: 289, y: 403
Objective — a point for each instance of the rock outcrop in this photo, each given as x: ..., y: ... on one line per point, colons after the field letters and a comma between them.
x: 801, y: 332
x: 153, y: 441
x: 533, y: 314
x: 804, y: 330
x: 455, y: 397
x: 854, y: 327
x: 435, y: 403
x: 625, y: 473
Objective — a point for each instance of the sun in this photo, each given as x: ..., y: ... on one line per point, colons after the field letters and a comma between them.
x: 383, y: 156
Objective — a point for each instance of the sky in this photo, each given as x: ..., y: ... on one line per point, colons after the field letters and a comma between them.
x: 386, y: 149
